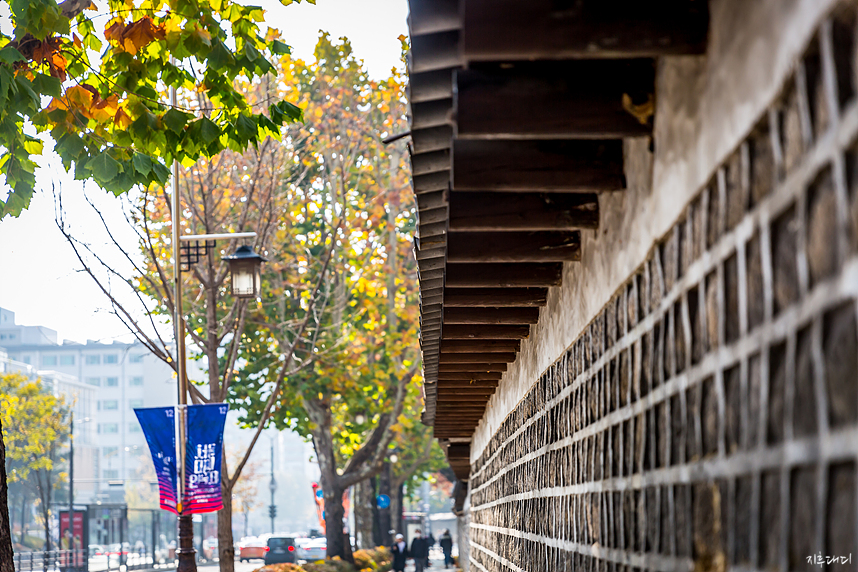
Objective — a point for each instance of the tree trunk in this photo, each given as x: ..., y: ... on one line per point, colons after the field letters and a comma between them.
x: 334, y: 514
x: 364, y: 502
x: 378, y: 538
x: 396, y: 499
x: 226, y: 548
x: 6, y: 556
x: 386, y: 522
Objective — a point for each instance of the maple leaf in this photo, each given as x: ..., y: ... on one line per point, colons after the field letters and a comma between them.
x: 105, y: 109
x: 121, y: 119
x: 57, y: 66
x: 135, y: 36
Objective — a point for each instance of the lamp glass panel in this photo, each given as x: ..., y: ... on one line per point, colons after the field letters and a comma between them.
x: 243, y: 281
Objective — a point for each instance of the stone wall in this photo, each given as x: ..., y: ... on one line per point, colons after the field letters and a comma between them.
x: 706, y: 417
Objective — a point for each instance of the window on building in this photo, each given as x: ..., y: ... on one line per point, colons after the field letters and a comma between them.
x: 108, y: 428
x: 66, y: 360
x: 96, y: 381
x: 2, y: 337
x: 111, y: 473
x: 136, y: 381
x: 49, y: 360
x: 136, y: 358
x: 27, y: 360
x: 112, y: 382
x: 12, y: 336
x: 110, y: 405
x: 134, y: 427
x: 111, y: 358
x: 109, y: 451
x: 93, y: 360
x: 135, y: 403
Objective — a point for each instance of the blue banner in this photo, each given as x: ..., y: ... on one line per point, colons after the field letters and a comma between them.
x: 203, y: 458
x: 159, y: 427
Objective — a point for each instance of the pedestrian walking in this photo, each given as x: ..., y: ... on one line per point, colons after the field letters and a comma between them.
x: 419, y: 551
x: 430, y: 542
x: 446, y: 542
x: 400, y: 553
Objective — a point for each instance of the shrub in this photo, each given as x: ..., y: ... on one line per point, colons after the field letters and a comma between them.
x: 285, y: 567
x: 381, y: 555
x: 365, y: 561
x: 333, y: 565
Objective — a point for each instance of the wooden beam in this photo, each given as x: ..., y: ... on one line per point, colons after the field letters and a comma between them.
x: 431, y: 182
x: 496, y: 316
x: 477, y: 358
x: 540, y: 246
x: 432, y: 200
x: 428, y: 86
x: 495, y: 297
x: 427, y: 16
x: 545, y: 29
x: 480, y: 346
x: 434, y: 113
x: 483, y: 332
x: 555, y: 100
x: 434, y: 162
x: 435, y: 51
x: 432, y: 138
x: 472, y: 367
x: 476, y: 211
x: 503, y: 275
x: 469, y: 376
x: 553, y: 166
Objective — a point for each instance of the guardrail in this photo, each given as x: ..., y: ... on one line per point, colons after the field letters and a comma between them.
x: 79, y: 561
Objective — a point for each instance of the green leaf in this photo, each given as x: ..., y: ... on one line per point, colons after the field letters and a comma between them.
x: 278, y: 47
x: 209, y: 130
x: 33, y: 146
x: 175, y: 120
x: 104, y: 167
x: 220, y: 57
x: 10, y: 55
x: 162, y: 173
x: 142, y: 163
x: 245, y: 128
x: 48, y: 85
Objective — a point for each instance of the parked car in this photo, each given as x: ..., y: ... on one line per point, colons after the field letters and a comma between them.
x: 281, y: 549
x: 252, y: 549
x: 315, y: 549
x: 96, y: 550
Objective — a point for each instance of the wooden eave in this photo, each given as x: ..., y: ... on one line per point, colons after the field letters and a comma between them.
x: 518, y: 112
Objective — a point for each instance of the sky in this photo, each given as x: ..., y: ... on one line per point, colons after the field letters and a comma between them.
x: 40, y: 277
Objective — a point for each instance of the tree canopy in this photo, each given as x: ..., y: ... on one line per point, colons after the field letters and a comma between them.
x: 97, y: 82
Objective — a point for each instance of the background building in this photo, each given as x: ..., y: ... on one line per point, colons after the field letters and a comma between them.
x: 112, y: 379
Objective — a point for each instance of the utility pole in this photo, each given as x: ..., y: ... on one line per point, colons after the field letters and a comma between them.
x: 185, y: 553
x: 272, y: 486
x: 71, y: 489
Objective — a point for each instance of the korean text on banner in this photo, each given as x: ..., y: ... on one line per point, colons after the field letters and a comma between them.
x: 159, y: 427
x: 203, y: 457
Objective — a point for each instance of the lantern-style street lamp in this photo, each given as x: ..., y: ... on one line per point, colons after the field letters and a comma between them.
x: 244, y: 267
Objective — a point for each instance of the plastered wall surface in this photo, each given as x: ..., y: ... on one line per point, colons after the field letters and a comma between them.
x: 705, y: 106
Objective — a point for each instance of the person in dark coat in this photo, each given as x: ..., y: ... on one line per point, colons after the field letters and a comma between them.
x: 430, y: 542
x: 419, y: 551
x: 446, y: 542
x: 400, y: 553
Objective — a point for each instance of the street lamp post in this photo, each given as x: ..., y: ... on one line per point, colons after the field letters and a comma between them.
x: 71, y: 483
x: 245, y: 284
x: 272, y: 486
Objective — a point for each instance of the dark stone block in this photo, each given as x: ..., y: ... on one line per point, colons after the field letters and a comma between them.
x: 803, y: 515
x: 736, y: 193
x: 840, y: 346
x: 731, y: 298
x: 789, y: 123
x: 840, y: 511
x: 756, y: 300
x: 784, y: 236
x: 822, y: 228
x: 709, y: 417
x: 770, y: 520
x: 733, y: 410
x: 804, y: 411
x: 762, y: 162
x: 777, y: 389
